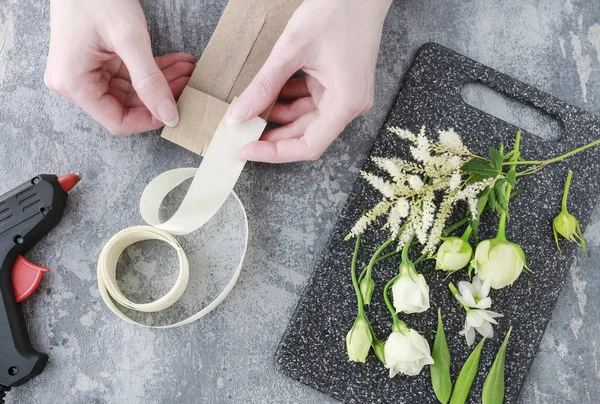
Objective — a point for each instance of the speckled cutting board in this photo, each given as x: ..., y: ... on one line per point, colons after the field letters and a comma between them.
x: 313, y: 348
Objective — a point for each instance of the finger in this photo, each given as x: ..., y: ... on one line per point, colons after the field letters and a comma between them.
x: 131, y: 99
x: 123, y: 85
x: 315, y: 88
x: 148, y: 80
x: 266, y: 85
x: 294, y: 88
x: 109, y: 111
x: 170, y: 59
x: 331, y: 119
x: 177, y: 70
x: 284, y: 113
x: 293, y: 130
x: 118, y: 68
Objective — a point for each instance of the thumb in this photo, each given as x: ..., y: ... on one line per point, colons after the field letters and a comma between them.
x: 265, y: 87
x: 147, y: 79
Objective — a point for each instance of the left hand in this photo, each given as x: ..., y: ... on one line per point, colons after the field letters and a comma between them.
x: 336, y: 43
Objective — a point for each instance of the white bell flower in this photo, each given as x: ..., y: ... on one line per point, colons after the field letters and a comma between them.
x: 475, y: 300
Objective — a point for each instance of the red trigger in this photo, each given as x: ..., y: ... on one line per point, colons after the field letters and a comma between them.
x: 26, y: 277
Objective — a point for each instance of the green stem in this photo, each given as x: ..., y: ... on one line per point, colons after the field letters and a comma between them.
x: 555, y: 159
x: 566, y: 191
x: 377, y: 253
x: 421, y: 258
x: 406, y: 248
x: 386, y: 298
x: 467, y: 234
x: 455, y: 226
x: 383, y: 257
x: 354, y: 280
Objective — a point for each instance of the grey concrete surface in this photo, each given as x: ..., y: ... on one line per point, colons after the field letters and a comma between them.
x: 228, y: 356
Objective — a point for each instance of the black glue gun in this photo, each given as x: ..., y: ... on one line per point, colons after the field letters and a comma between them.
x: 27, y: 214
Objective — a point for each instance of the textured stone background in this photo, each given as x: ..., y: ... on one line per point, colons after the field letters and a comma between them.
x: 227, y: 357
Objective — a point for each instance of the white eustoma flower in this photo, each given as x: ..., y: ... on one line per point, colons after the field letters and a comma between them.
x: 454, y: 254
x: 410, y: 291
x: 474, y: 298
x: 498, y: 262
x: 358, y: 340
x: 406, y: 352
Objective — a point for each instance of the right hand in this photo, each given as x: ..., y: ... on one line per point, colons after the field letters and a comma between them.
x: 101, y: 58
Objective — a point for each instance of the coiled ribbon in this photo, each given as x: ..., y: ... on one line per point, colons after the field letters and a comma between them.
x: 212, y: 183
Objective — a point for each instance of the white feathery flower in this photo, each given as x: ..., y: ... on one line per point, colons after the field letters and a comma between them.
x: 398, y: 212
x: 451, y: 140
x: 415, y: 182
x: 455, y: 181
x: 383, y: 186
x: 473, y: 207
x: 369, y: 217
x: 403, y: 134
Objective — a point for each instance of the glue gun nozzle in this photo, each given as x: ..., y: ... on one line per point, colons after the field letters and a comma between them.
x: 67, y: 182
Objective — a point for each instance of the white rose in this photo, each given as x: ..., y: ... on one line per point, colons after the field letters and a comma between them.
x: 410, y: 291
x: 358, y: 341
x: 406, y: 352
x: 498, y: 262
x: 453, y: 254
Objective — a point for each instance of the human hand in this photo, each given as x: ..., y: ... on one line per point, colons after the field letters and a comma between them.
x: 336, y: 43
x: 101, y: 58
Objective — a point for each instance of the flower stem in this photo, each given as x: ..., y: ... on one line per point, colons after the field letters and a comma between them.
x: 555, y: 159
x: 354, y: 279
x: 455, y: 226
x: 386, y: 298
x: 377, y: 253
x: 566, y: 191
x: 406, y: 248
x: 467, y: 234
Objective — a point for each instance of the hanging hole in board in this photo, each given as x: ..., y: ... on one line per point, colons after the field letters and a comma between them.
x: 524, y: 116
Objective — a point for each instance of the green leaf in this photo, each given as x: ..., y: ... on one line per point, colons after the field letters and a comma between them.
x: 511, y: 177
x: 493, y: 387
x: 496, y: 159
x: 440, y: 370
x: 466, y: 376
x: 515, y: 192
x: 480, y: 167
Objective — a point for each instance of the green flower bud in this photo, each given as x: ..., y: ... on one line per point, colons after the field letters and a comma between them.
x: 499, y: 262
x: 565, y: 223
x: 358, y: 340
x: 567, y: 226
x: 366, y: 289
x: 454, y: 254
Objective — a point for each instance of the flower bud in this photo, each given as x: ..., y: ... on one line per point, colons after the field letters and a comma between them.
x: 454, y: 254
x: 358, y: 340
x: 499, y: 262
x: 567, y: 226
x: 410, y: 291
x: 366, y: 289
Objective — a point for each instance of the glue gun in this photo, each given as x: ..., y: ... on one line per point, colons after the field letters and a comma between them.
x: 27, y: 214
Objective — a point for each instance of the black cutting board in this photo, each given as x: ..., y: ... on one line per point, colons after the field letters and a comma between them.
x: 313, y: 348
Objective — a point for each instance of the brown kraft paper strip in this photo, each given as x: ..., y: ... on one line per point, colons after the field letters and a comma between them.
x: 240, y: 45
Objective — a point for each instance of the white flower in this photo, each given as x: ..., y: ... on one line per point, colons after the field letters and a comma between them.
x: 451, y: 140
x: 454, y: 254
x: 481, y: 321
x: 415, y: 183
x: 410, y: 291
x: 383, y: 186
x: 358, y: 340
x: 498, y: 262
x: 474, y: 298
x: 398, y: 212
x: 406, y: 352
x: 455, y: 181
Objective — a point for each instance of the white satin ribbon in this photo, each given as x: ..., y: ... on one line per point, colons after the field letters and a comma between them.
x: 212, y: 183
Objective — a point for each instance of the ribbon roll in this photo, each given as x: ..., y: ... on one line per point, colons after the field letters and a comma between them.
x: 212, y: 184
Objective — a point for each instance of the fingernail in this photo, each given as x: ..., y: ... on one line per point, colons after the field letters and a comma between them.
x: 167, y: 112
x: 237, y: 112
